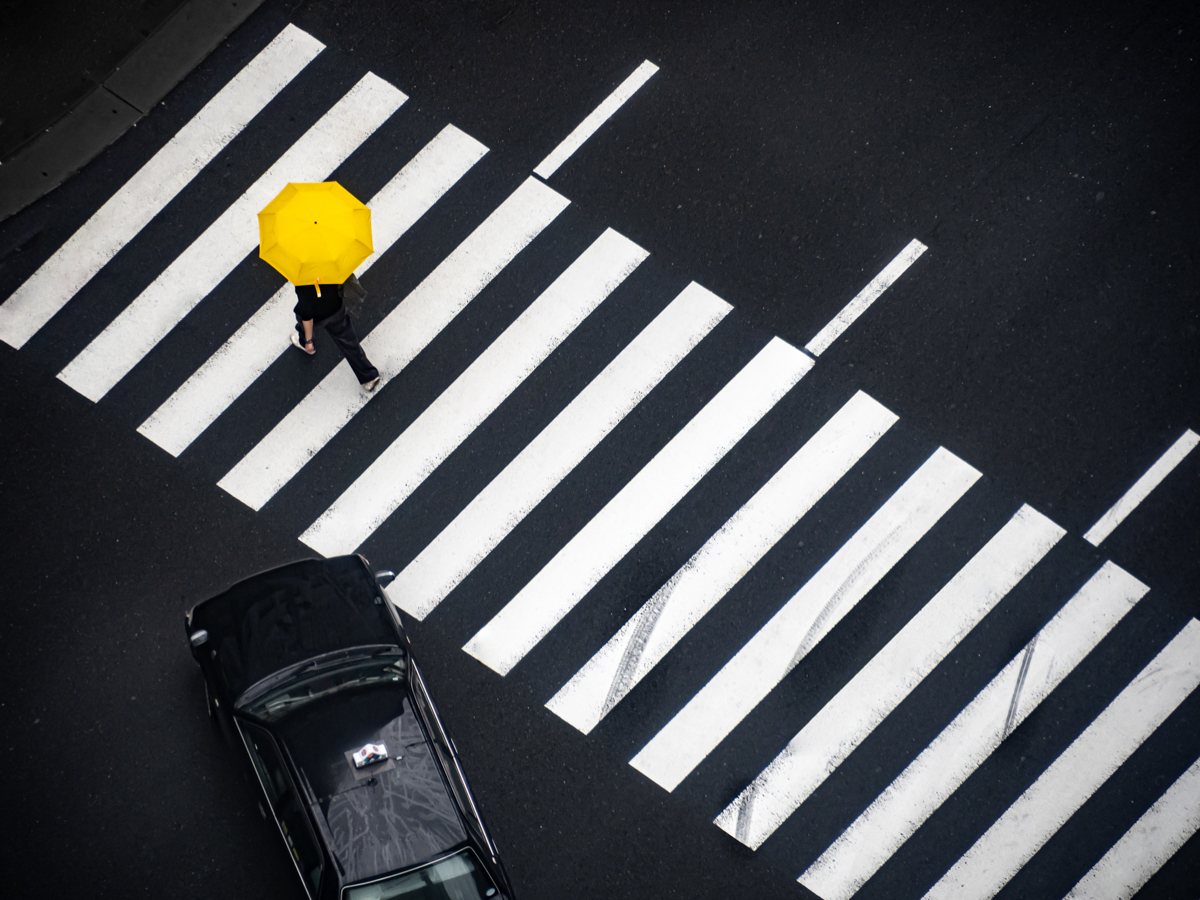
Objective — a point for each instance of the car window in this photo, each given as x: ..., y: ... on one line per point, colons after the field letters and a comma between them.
x: 285, y: 804
x: 457, y: 877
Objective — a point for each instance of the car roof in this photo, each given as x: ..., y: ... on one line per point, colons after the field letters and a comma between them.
x: 389, y: 816
x: 286, y: 615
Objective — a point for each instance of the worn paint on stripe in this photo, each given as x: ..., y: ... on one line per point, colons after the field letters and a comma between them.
x: 1079, y: 771
x: 868, y: 295
x: 1142, y: 487
x: 805, y: 619
x: 155, y: 184
x: 598, y: 117
x: 225, y: 243
x: 393, y: 344
x: 879, y: 686
x: 558, y: 449
x: 979, y: 729
x: 721, y: 563
x: 1165, y: 827
x: 226, y: 374
x: 638, y: 506
x: 474, y: 395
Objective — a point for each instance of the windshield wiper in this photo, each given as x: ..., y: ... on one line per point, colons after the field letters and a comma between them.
x: 272, y: 706
x: 334, y: 658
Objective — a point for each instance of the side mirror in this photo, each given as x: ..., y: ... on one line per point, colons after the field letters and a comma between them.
x: 385, y: 577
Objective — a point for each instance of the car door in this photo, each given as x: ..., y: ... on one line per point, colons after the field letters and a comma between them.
x: 285, y: 804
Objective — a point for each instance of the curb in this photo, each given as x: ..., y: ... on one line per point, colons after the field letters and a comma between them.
x: 143, y: 78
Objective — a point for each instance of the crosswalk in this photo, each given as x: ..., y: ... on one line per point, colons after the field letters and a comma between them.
x: 223, y: 378
x: 474, y: 395
x: 705, y: 578
x: 395, y: 342
x: 145, y: 195
x: 556, y: 451
x: 845, y: 508
x: 874, y: 691
x: 194, y: 273
x: 971, y: 737
x: 626, y: 519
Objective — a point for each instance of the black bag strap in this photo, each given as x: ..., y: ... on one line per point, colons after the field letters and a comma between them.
x: 352, y: 290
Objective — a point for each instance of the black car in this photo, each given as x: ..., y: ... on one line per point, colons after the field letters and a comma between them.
x: 308, y: 668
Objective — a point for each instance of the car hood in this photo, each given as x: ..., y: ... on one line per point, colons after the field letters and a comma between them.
x: 390, y: 815
x: 290, y: 614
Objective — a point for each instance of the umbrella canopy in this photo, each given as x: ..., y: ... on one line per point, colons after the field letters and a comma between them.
x: 315, y: 233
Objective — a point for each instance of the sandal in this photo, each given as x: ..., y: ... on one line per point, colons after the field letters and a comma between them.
x: 307, y: 346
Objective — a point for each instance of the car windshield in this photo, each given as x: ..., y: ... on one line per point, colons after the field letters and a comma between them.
x: 323, y: 678
x: 457, y: 877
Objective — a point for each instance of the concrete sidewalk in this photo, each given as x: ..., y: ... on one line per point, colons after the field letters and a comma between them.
x: 54, y: 124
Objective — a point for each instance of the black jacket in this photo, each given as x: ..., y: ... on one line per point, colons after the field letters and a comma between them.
x: 310, y: 306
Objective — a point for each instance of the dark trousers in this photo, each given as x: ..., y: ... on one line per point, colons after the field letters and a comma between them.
x: 341, y: 329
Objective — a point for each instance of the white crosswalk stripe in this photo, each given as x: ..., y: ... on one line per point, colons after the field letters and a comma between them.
x: 394, y: 343
x: 839, y: 456
x: 723, y: 560
x: 167, y: 173
x: 1147, y: 846
x: 250, y: 351
x: 574, y: 433
x: 225, y: 243
x: 879, y: 686
x: 1094, y: 756
x: 975, y: 732
x: 474, y: 395
x: 864, y: 298
x: 598, y: 117
x: 805, y: 619
x: 1142, y: 487
x: 626, y: 519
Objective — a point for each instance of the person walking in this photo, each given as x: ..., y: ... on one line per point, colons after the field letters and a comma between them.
x: 324, y: 305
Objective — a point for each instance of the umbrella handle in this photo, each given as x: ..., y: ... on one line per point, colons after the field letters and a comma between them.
x: 318, y: 287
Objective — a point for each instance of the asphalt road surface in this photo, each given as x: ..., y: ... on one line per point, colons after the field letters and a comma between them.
x: 644, y: 504
x: 58, y: 50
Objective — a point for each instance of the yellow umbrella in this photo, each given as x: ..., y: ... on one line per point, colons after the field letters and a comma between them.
x: 315, y: 233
